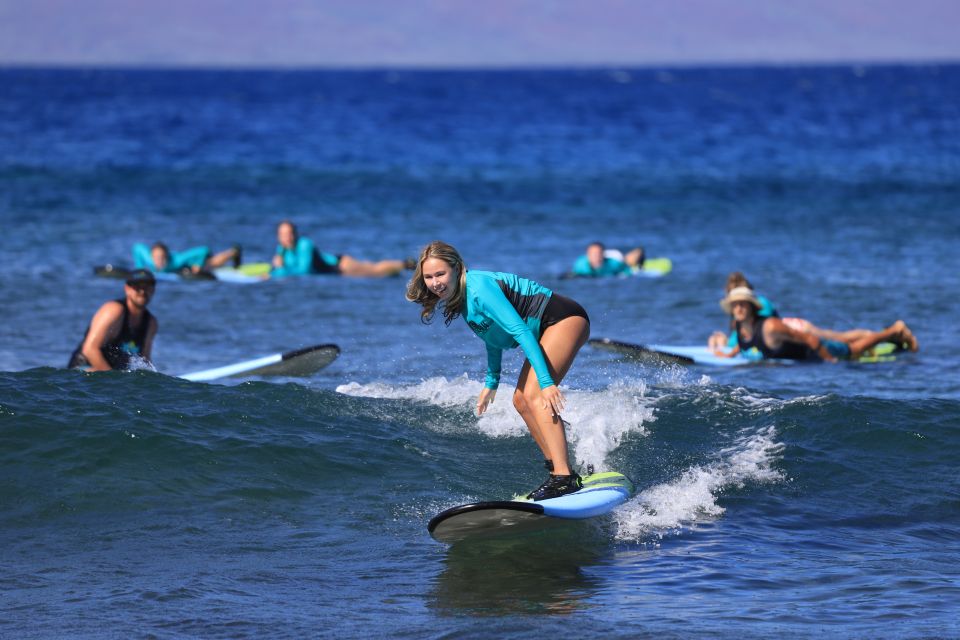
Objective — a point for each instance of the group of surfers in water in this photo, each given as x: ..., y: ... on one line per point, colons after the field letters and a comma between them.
x: 295, y: 255
x: 505, y: 311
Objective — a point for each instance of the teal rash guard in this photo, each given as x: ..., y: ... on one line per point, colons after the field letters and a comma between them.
x: 300, y: 260
x: 610, y: 267
x: 194, y: 257
x: 504, y: 311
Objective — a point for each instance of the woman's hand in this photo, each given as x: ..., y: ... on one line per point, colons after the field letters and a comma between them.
x: 552, y: 399
x: 277, y: 261
x: 720, y: 353
x: 717, y: 341
x: 485, y: 400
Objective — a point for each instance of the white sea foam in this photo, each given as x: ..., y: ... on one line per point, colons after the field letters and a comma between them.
x: 692, y: 497
x: 598, y: 420
x: 770, y: 403
x: 439, y: 391
x: 139, y: 363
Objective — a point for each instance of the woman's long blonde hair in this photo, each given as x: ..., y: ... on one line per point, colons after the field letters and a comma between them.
x: 418, y: 292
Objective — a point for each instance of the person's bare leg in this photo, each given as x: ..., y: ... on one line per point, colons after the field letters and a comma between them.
x: 634, y: 257
x: 840, y: 336
x: 350, y: 266
x: 532, y: 426
x: 560, y: 344
x: 897, y: 332
x: 222, y: 258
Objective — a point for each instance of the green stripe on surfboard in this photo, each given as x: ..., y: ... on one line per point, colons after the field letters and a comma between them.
x: 602, y: 480
x: 657, y: 265
x: 254, y: 268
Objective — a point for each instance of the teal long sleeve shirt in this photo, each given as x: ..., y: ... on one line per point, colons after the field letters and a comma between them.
x: 504, y: 311
x: 610, y: 267
x: 193, y: 257
x: 299, y: 261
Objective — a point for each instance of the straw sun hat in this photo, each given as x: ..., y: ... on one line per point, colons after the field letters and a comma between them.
x: 739, y: 294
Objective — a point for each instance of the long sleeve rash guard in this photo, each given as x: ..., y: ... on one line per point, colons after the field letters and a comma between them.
x: 504, y: 311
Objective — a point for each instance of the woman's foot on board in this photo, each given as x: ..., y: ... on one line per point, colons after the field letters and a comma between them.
x: 556, y: 486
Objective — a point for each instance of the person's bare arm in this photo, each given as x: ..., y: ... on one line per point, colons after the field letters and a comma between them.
x: 720, y: 353
x: 105, y: 326
x: 148, y: 340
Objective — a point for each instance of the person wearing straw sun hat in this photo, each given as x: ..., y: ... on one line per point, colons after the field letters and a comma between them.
x: 775, y: 339
x: 720, y: 343
x: 121, y: 329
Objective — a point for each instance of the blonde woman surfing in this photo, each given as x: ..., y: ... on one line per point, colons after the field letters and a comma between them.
x: 505, y: 310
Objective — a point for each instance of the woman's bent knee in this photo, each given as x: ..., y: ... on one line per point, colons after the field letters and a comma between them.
x: 519, y: 402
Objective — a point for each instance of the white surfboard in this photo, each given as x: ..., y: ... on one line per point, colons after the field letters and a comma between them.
x: 299, y: 362
x: 601, y: 493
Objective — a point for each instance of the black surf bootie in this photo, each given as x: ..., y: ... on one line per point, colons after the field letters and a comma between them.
x: 556, y: 486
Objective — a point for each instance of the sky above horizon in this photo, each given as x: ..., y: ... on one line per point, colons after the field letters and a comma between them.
x: 467, y: 33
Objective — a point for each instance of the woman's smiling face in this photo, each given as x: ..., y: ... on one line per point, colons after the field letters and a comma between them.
x: 439, y: 277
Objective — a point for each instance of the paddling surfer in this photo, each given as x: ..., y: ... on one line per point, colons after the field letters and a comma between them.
x: 599, y: 262
x: 159, y: 259
x: 774, y: 338
x: 298, y: 256
x: 720, y: 344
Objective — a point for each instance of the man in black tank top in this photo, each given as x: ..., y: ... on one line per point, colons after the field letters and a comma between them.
x: 120, y: 329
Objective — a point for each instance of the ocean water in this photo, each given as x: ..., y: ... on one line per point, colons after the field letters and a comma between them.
x: 804, y: 501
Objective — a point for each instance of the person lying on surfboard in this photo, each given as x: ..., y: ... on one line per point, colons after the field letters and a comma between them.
x: 159, y: 259
x: 773, y: 338
x: 121, y: 329
x: 597, y: 262
x: 298, y: 256
x: 505, y: 310
x: 720, y: 343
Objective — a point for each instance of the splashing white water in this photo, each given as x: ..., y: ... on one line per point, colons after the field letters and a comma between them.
x: 598, y: 420
x: 438, y: 391
x: 692, y: 497
x: 139, y: 363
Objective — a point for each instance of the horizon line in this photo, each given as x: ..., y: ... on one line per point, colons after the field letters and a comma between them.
x: 612, y: 66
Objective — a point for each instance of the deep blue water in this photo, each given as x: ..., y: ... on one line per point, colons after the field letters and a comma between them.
x: 802, y: 501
